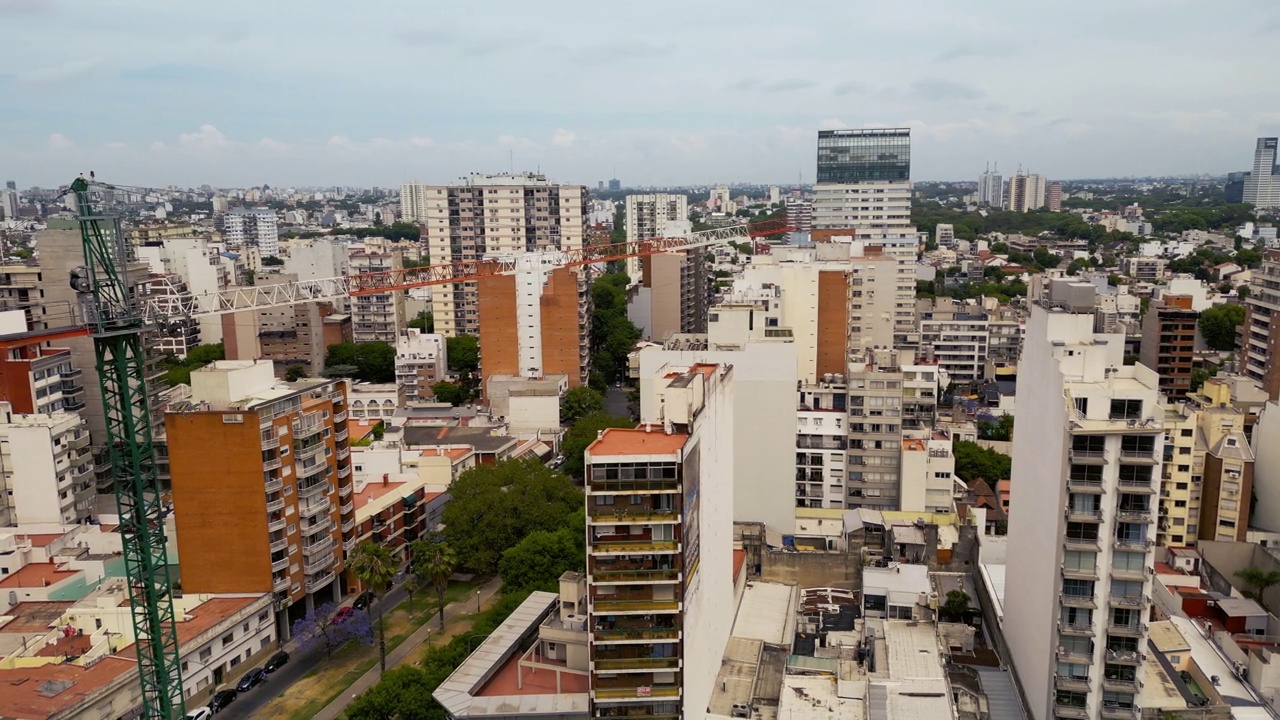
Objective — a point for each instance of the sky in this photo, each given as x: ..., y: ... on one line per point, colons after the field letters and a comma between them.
x: 376, y: 93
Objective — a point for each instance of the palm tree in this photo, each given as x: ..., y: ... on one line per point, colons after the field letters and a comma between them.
x: 1259, y: 580
x: 375, y: 567
x: 434, y: 563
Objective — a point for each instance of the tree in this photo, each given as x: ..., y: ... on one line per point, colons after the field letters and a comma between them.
x: 319, y: 629
x: 1218, y: 325
x: 270, y: 261
x: 493, y: 507
x: 178, y: 372
x: 295, y: 373
x: 956, y: 607
x: 448, y: 392
x: 434, y: 563
x: 404, y: 694
x: 578, y: 403
x: 426, y: 322
x: 974, y: 461
x: 1259, y: 580
x: 582, y: 434
x: 538, y: 561
x: 464, y: 353
x: 375, y: 567
x: 373, y: 362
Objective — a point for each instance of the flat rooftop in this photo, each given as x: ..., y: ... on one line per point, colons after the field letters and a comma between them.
x: 818, y: 697
x: 37, y: 575
x: 645, y: 440
x: 737, y: 676
x: 511, y: 679
x: 766, y: 613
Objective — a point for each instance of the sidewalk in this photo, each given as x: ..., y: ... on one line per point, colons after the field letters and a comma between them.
x: 412, y: 646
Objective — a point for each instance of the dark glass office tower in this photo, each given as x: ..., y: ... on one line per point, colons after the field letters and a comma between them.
x: 851, y: 156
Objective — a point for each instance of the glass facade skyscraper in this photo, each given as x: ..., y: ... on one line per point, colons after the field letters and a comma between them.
x: 852, y: 156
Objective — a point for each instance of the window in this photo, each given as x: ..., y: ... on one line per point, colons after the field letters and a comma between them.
x: 205, y: 654
x: 228, y: 638
x: 1126, y: 409
x: 1079, y: 560
x: 1077, y: 588
x: 1130, y: 562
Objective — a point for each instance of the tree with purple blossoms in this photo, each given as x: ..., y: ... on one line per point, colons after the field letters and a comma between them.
x: 320, y: 628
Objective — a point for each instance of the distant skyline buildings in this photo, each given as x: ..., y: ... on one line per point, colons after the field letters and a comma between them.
x: 1262, y: 185
x: 991, y: 188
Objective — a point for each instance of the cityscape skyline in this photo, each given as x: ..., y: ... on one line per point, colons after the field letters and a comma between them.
x: 233, y: 104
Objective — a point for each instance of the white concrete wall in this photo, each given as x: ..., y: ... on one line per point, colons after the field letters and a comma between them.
x: 35, y: 476
x: 1266, y: 469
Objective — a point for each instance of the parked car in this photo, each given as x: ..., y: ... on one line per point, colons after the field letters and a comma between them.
x: 276, y: 662
x: 364, y: 600
x: 203, y: 713
x: 221, y: 700
x: 344, y: 614
x: 251, y: 680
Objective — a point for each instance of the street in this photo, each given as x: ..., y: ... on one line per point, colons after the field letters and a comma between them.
x: 615, y: 402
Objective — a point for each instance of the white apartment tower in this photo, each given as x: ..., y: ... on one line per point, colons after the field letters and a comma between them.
x: 252, y: 228
x: 46, y: 468
x: 1262, y: 186
x: 1025, y: 192
x: 651, y: 216
x: 376, y: 317
x: 991, y: 189
x: 1086, y: 474
x: 486, y: 215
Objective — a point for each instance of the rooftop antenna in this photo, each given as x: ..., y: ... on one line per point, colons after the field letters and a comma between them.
x: 511, y: 158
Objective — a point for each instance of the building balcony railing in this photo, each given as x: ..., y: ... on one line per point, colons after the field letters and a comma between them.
x: 1128, y: 601
x: 1118, y: 712
x: 273, y: 485
x: 348, y: 546
x: 319, y: 564
x: 80, y: 442
x: 1143, y: 457
x: 1081, y: 543
x: 632, y: 487
x: 1075, y: 628
x: 270, y: 443
x: 607, y: 607
x: 642, y: 691
x: 281, y: 564
x: 338, y: 398
x: 1088, y: 457
x: 340, y: 416
x: 609, y: 516
x: 1085, y: 485
x: 1142, y: 515
x: 1079, y: 601
x: 1127, y: 629
x: 273, y: 464
x: 1071, y: 573
x: 301, y: 455
x: 348, y: 526
x: 1129, y: 573
x: 1118, y: 684
x: 345, y: 490
x: 280, y: 584
x: 1124, y: 657
x: 325, y: 526
x: 313, y: 490
x: 343, y: 452
x: 317, y: 582
x: 637, y: 664
x: 321, y: 547
x: 341, y: 435
x: 348, y: 507
x: 1132, y: 544
x: 276, y: 525
x: 634, y: 546
x: 279, y: 545
x: 1066, y: 656
x: 635, y: 576
x: 275, y: 505
x: 1136, y: 486
x: 620, y: 634
x: 1081, y: 515
x: 344, y: 471
x: 1070, y: 712
x: 1074, y: 684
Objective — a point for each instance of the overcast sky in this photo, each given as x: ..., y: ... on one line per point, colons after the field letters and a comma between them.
x: 377, y: 93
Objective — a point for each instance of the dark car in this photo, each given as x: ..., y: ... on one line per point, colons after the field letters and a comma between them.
x: 344, y: 614
x: 221, y: 700
x: 364, y: 600
x: 251, y: 680
x: 276, y: 662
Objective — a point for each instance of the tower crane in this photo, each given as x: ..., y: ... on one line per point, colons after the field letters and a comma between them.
x: 117, y: 321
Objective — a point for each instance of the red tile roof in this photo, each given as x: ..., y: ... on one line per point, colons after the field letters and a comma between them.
x: 35, y: 575
x: 644, y: 440
x: 510, y: 676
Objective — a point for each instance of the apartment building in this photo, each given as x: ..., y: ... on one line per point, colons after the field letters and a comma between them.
x: 35, y: 377
x: 1053, y: 196
x: 535, y: 323
x: 1025, y: 192
x: 422, y: 360
x: 954, y: 336
x: 46, y: 468
x: 1169, y: 342
x: 1143, y: 269
x: 1086, y: 472
x: 1262, y: 185
x: 864, y: 181
x: 261, y: 474
x: 251, y: 228
x: 376, y: 317
x: 393, y: 510
x: 1261, y: 328
x: 991, y: 188
x: 928, y: 481
x: 944, y: 234
x: 822, y: 437
x: 653, y: 216
x: 487, y: 215
x: 194, y: 260
x: 659, y: 550
x: 875, y: 430
x: 179, y: 334
x: 800, y: 214
x: 672, y: 294
x: 22, y: 288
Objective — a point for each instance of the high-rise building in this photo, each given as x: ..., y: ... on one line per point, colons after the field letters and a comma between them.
x: 659, y: 539
x: 800, y: 214
x: 1233, y: 191
x: 944, y: 234
x: 46, y: 468
x: 10, y: 185
x: 1262, y: 186
x: 376, y: 317
x: 1169, y: 342
x: 1086, y: 473
x: 1053, y: 196
x: 672, y: 294
x: 495, y: 215
x: 991, y: 188
x: 654, y: 216
x: 1260, y: 332
x: 9, y: 204
x: 413, y: 202
x: 1025, y: 192
x: 252, y: 228
x: 421, y: 362
x: 535, y: 323
x: 262, y: 474
x: 615, y: 185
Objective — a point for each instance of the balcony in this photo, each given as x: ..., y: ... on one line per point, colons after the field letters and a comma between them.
x: 638, y: 664
x: 281, y: 564
x: 1119, y: 712
x: 620, y: 547
x: 1127, y: 601
x: 275, y: 505
x: 1127, y: 629
x: 1124, y: 657
x: 1142, y: 457
x: 635, y: 575
x: 1088, y: 457
x: 1078, y: 601
x: 80, y: 442
x: 345, y: 491
x: 319, y: 564
x: 275, y: 524
x: 324, y: 546
x: 632, y: 487
x: 1138, y: 515
x: 313, y: 490
x: 1081, y: 543
x: 348, y: 526
x: 1136, y: 486
x: 341, y: 436
x: 338, y: 398
x: 280, y: 584
x: 608, y: 607
x: 274, y: 485
x: 623, y: 634
x: 642, y: 691
x: 317, y: 582
x: 348, y: 508
x: 279, y: 545
x: 273, y: 464
x: 1068, y: 656
x: 301, y: 455
x: 270, y: 443
x: 1085, y: 485
x: 348, y: 546
x: 340, y: 416
x: 1132, y: 544
x: 1079, y: 573
x: 1074, y: 684
x: 1083, y: 515
x: 325, y: 526
x: 302, y: 431
x: 1070, y: 712
x: 343, y: 453
x: 1075, y: 628
x: 1128, y: 573
x: 606, y: 515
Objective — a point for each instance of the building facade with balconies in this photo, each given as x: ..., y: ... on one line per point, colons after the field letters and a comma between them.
x: 376, y: 317
x: 260, y: 470
x: 659, y: 541
x: 46, y: 468
x: 1086, y: 477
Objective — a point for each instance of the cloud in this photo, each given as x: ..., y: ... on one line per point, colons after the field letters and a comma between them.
x: 421, y: 142
x: 272, y: 145
x: 849, y: 86
x: 24, y: 8
x: 747, y: 83
x: 516, y: 142
x: 944, y: 90
x: 789, y: 84
x: 426, y: 37
x: 70, y: 70
x: 832, y: 124
x: 207, y: 136
x: 795, y: 134
x: 58, y: 141
x: 563, y: 138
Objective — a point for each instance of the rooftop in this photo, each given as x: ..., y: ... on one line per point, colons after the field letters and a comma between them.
x: 644, y: 440
x: 480, y: 438
x: 510, y: 680
x: 766, y: 613
x: 37, y: 575
x: 819, y: 697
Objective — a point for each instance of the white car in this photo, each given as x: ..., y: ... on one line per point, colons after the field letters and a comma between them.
x: 203, y: 713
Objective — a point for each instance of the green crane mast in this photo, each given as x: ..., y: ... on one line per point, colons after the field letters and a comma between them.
x: 117, y: 325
